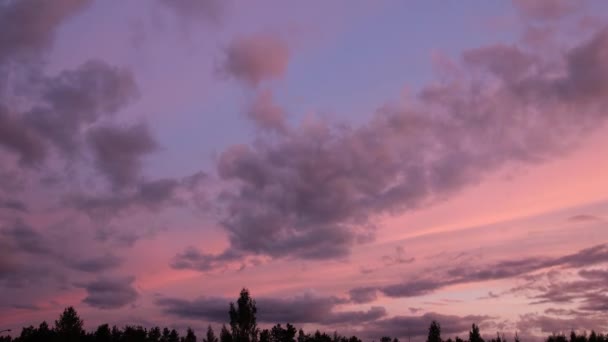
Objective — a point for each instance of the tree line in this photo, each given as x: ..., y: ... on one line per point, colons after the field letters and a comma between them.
x: 243, y: 328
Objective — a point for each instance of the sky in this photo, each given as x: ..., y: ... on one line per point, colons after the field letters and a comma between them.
x: 359, y: 166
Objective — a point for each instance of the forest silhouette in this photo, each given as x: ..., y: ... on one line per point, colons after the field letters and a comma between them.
x: 242, y: 328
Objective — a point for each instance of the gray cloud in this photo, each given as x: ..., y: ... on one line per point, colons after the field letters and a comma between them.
x: 531, y: 322
x: 417, y: 326
x: 363, y: 294
x: 255, y: 58
x: 17, y: 137
x: 311, y: 193
x: 498, y: 270
x: 547, y: 10
x: 13, y: 204
x: 197, y: 10
x: 583, y: 218
x: 110, y: 293
x: 27, y: 27
x: 266, y: 114
x: 305, y: 308
x: 97, y: 264
x: 118, y: 152
x: 76, y: 98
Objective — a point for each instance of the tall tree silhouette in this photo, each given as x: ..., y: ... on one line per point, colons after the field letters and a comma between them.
x: 69, y: 326
x: 103, y: 334
x: 434, y: 332
x: 154, y: 334
x: 210, y: 336
x: 225, y: 335
x: 474, y: 335
x: 190, y: 336
x: 280, y: 334
x: 243, y: 319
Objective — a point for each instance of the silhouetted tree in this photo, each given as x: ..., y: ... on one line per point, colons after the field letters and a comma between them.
x: 210, y: 336
x: 103, y: 334
x: 165, y: 336
x: 69, y: 326
x: 458, y: 339
x: 225, y: 335
x: 173, y: 336
x: 243, y: 319
x: 302, y: 337
x: 434, y: 332
x: 385, y: 339
x: 265, y: 336
x: 516, y: 339
x: 116, y: 334
x: 280, y: 334
x: 474, y: 335
x: 154, y: 335
x: 190, y: 336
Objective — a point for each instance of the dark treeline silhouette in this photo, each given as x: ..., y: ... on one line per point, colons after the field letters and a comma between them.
x: 243, y: 328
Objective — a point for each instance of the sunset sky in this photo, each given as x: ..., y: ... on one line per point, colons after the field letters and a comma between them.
x: 360, y: 166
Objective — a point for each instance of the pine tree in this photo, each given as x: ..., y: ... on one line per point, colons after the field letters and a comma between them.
x: 69, y: 326
x: 434, y: 332
x: 474, y: 335
x: 210, y: 337
x: 243, y: 319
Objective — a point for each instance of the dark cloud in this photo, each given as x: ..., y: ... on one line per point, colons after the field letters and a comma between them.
x: 76, y: 98
x: 582, y: 218
x: 194, y: 259
x: 210, y: 309
x: 197, y: 10
x: 404, y: 327
x: 27, y: 27
x: 311, y: 193
x: 266, y: 114
x: 150, y: 195
x: 97, y: 264
x: 13, y: 204
x: 587, y: 292
x: 110, y: 293
x: 255, y: 58
x: 426, y: 284
x: 17, y: 137
x: 547, y: 10
x: 305, y: 308
x: 398, y: 257
x: 363, y: 294
x: 118, y: 152
x: 548, y: 324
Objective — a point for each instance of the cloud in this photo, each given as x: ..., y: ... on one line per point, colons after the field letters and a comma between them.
x: 426, y: 284
x: 97, y: 264
x: 77, y: 98
x: 110, y: 293
x: 17, y: 137
x: 398, y: 258
x: 151, y: 195
x: 255, y: 58
x: 196, y: 10
x: 27, y: 27
x: 583, y: 218
x: 587, y: 291
x: 546, y: 324
x: 312, y: 193
x: 417, y: 326
x: 266, y: 114
x: 13, y: 204
x: 363, y: 294
x: 306, y: 308
x: 118, y: 152
x: 547, y: 10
